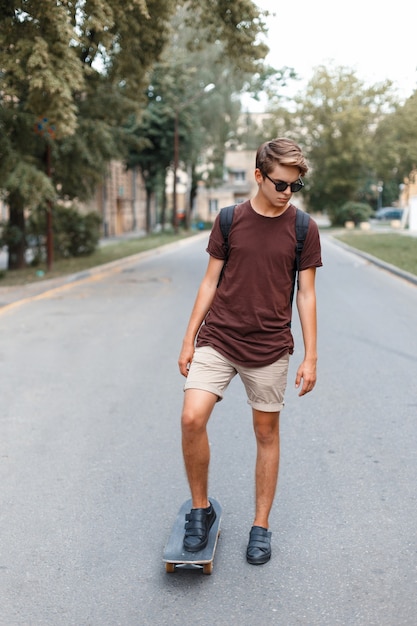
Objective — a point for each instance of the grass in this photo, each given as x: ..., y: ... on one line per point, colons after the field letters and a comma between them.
x: 394, y: 248
x: 103, y: 254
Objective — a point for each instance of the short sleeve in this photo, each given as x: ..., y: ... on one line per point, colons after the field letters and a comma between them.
x: 216, y: 245
x: 311, y: 254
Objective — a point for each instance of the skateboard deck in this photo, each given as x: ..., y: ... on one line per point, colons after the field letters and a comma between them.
x: 176, y: 556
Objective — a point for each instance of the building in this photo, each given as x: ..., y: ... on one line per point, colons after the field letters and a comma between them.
x: 408, y: 200
x: 120, y: 200
x: 238, y: 185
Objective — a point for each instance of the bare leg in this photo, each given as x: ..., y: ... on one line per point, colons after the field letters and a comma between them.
x: 197, y: 409
x: 266, y: 427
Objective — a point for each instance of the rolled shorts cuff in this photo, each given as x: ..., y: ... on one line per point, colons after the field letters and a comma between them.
x: 202, y: 386
x: 271, y: 407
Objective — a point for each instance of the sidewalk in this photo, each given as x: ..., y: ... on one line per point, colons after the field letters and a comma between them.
x: 10, y: 296
x: 103, y: 242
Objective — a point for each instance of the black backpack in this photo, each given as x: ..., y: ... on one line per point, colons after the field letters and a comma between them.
x: 302, y: 221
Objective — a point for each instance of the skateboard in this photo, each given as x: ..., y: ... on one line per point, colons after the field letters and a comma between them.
x: 176, y: 556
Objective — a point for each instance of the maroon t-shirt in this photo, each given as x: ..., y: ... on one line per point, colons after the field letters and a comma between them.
x: 249, y: 318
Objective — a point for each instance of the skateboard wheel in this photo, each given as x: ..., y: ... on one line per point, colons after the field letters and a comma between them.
x: 170, y: 568
x: 208, y: 568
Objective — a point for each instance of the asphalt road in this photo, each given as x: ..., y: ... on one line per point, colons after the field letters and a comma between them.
x: 91, y: 470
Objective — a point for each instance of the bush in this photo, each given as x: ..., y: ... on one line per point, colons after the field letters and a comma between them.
x: 10, y: 235
x: 74, y: 234
x: 356, y: 212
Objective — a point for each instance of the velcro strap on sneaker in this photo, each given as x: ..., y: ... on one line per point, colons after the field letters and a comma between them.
x: 259, y: 537
x: 196, y: 522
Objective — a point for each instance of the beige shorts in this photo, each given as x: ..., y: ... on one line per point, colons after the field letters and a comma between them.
x: 265, y: 386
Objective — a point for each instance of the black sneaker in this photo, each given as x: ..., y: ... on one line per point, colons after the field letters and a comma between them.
x: 197, y: 528
x: 259, y: 546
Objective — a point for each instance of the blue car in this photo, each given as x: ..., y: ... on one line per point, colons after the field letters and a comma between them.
x: 388, y: 213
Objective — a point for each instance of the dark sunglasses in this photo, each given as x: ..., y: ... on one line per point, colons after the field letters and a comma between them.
x: 282, y: 185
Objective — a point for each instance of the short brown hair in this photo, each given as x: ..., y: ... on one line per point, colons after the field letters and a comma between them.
x: 280, y: 151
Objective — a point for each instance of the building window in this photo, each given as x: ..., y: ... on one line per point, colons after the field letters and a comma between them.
x: 213, y: 206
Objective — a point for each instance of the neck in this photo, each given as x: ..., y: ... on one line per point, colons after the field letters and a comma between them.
x: 268, y: 210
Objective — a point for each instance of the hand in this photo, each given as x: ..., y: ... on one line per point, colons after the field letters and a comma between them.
x: 308, y: 374
x: 185, y: 358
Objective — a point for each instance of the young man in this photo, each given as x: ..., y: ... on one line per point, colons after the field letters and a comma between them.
x: 242, y: 326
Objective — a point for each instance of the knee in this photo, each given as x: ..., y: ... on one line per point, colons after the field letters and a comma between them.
x: 192, y: 422
x: 266, y: 438
x: 267, y: 434
x: 196, y: 411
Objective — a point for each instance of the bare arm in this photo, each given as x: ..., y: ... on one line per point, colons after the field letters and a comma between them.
x: 201, y: 307
x: 306, y: 304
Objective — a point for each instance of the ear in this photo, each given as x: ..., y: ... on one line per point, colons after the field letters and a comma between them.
x: 258, y: 176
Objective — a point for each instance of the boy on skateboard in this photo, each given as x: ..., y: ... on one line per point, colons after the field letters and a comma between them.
x: 242, y: 326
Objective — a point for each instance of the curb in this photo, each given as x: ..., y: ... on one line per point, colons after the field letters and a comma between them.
x: 412, y: 278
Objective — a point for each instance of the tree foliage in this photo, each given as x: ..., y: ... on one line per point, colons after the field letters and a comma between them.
x: 76, y: 66
x: 396, y: 142
x: 81, y: 66
x: 237, y: 24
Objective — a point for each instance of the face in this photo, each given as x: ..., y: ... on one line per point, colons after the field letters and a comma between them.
x: 278, y: 199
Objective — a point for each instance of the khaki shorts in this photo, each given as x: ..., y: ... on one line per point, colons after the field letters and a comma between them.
x: 265, y: 386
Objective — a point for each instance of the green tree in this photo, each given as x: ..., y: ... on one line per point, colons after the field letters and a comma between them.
x: 178, y: 98
x: 152, y: 153
x: 396, y: 146
x: 79, y: 66
x: 39, y: 71
x: 340, y: 114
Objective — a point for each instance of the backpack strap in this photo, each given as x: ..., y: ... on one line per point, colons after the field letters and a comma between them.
x: 226, y: 219
x: 302, y: 221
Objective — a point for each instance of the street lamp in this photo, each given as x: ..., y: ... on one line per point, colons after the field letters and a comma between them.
x: 177, y: 111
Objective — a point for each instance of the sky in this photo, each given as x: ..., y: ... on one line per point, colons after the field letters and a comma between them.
x: 378, y: 40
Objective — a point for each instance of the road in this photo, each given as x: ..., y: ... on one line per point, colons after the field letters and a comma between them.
x: 92, y: 475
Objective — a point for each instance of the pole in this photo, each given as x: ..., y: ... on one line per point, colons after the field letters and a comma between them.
x: 47, y: 130
x: 49, y: 233
x: 174, y: 184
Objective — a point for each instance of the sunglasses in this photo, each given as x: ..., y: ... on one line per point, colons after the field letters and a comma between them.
x: 282, y: 185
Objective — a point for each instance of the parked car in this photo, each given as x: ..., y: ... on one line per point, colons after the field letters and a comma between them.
x: 388, y: 213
